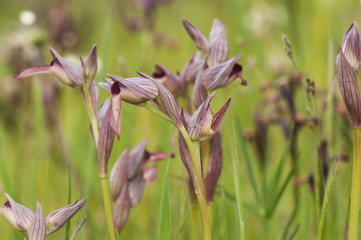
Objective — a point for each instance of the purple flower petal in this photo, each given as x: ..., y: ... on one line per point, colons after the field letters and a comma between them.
x: 37, y: 228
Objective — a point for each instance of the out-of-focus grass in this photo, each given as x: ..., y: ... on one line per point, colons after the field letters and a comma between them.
x: 31, y: 157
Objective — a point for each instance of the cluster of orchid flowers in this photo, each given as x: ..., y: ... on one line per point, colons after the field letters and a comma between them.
x: 34, y: 225
x: 208, y: 69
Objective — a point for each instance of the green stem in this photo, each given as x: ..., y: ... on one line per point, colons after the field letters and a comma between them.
x: 103, y: 179
x: 195, y: 221
x: 204, y: 155
x: 156, y: 111
x: 199, y: 186
x: 355, y: 187
x: 108, y: 211
x: 92, y: 116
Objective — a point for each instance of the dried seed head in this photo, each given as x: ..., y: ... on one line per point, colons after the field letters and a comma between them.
x: 58, y: 218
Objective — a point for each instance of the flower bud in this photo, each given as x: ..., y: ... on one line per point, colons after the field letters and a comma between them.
x: 203, y: 123
x: 221, y: 75
x: 67, y: 72
x: 167, y: 78
x: 347, y: 63
x: 198, y: 38
x: 169, y: 106
x: 350, y: 46
x: 58, y: 218
x: 18, y: 216
x: 218, y: 43
x: 134, y: 90
x: 37, y: 228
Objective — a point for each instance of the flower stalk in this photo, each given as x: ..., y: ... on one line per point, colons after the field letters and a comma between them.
x: 107, y: 206
x: 104, y: 183
x: 355, y: 187
x: 92, y: 115
x: 199, y: 186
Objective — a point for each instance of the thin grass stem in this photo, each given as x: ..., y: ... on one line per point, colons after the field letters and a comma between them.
x: 355, y: 187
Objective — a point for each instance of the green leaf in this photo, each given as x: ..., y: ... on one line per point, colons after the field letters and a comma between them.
x: 164, y: 221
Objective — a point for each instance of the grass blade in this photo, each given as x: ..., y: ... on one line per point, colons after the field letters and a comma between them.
x: 327, y: 196
x: 67, y: 228
x: 249, y: 166
x: 270, y: 211
x: 289, y: 222
x: 237, y: 181
x: 164, y: 221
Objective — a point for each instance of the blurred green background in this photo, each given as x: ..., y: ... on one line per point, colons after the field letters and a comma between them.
x: 44, y: 124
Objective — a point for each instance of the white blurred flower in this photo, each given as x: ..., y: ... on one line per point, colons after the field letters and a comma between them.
x: 27, y: 18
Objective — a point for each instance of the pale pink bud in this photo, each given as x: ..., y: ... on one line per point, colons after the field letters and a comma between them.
x: 150, y: 174
x: 200, y: 41
x: 199, y: 92
x: 90, y: 65
x: 136, y: 188
x: 347, y: 63
x: 134, y: 90
x: 121, y: 209
x: 169, y: 106
x: 167, y: 78
x: 203, y: 124
x: 119, y: 174
x: 106, y: 137
x: 214, y: 166
x: 218, y: 43
x: 58, y: 218
x: 221, y: 75
x: 37, y: 228
x: 191, y: 69
x: 18, y: 216
x: 350, y: 46
x: 67, y: 72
